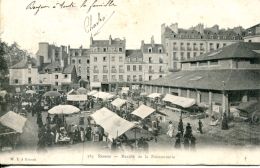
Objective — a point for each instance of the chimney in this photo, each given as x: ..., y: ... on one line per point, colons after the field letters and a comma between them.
x: 69, y: 54
x: 91, y: 40
x: 174, y: 27
x: 163, y: 28
x: 152, y: 40
x: 110, y: 40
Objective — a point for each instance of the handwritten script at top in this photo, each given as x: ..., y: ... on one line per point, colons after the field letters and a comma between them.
x: 92, y: 23
x: 88, y: 4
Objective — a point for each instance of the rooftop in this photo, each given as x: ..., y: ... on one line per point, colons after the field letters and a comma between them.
x: 211, y: 80
x: 236, y: 50
x: 24, y: 64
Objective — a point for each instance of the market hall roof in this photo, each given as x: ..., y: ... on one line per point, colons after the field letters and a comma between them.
x: 232, y: 79
x: 237, y: 50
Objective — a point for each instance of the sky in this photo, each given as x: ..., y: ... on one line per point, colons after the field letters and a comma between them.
x: 134, y: 20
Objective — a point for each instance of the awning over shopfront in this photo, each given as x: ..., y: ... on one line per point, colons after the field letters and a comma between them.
x: 95, y: 84
x: 92, y: 93
x: 143, y: 111
x: 125, y: 90
x: 103, y: 95
x: 111, y: 122
x: 180, y: 101
x: 118, y: 102
x: 13, y: 121
x: 154, y: 95
x: 77, y: 97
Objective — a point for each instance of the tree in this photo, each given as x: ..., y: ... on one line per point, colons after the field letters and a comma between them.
x: 3, y: 63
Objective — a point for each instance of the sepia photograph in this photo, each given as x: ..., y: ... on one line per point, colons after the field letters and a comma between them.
x: 120, y: 82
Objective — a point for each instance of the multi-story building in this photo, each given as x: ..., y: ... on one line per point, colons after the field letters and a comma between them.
x: 155, y: 60
x: 252, y: 34
x: 182, y: 44
x: 218, y: 79
x: 24, y: 73
x: 107, y: 58
x: 80, y: 57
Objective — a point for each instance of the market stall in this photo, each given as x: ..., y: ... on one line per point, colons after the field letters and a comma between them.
x: 118, y: 103
x: 11, y: 126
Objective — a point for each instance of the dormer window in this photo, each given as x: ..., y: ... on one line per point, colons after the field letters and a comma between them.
x: 160, y: 50
x: 150, y: 50
x: 104, y: 49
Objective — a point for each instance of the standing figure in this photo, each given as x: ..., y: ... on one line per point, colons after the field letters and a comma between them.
x: 192, y: 142
x: 224, y: 122
x: 186, y: 141
x: 188, y: 131
x: 200, y: 127
x: 170, y: 129
x: 180, y: 127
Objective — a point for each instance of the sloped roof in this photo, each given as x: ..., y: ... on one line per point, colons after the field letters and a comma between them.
x: 236, y: 50
x: 211, y: 80
x: 68, y: 69
x: 24, y: 64
x: 116, y: 42
x: 155, y: 48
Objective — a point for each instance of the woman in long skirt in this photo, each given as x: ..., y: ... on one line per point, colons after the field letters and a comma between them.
x: 170, y: 129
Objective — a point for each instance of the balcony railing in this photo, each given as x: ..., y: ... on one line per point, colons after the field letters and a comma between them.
x: 105, y: 71
x: 202, y: 48
x: 175, y: 59
x: 95, y: 71
x: 120, y: 80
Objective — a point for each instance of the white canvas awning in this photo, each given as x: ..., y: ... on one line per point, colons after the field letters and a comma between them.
x: 13, y: 121
x: 91, y: 93
x: 111, y: 122
x: 143, y: 111
x: 118, y: 102
x: 77, y: 97
x: 180, y: 101
x: 103, y: 95
x: 154, y: 95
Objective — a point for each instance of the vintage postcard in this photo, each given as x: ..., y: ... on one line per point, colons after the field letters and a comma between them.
x: 130, y: 82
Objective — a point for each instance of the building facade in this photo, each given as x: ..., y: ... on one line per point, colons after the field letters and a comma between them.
x: 182, y: 44
x: 252, y: 34
x: 222, y: 78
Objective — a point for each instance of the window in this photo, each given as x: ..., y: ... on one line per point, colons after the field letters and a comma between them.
x: 113, y: 77
x: 161, y: 60
x: 134, y: 78
x: 140, y: 78
x: 76, y: 53
x: 56, y: 76
x: 105, y: 78
x: 194, y: 54
x: 104, y: 59
x: 120, y: 59
x: 128, y: 78
x: 95, y: 59
x: 79, y: 61
x: 174, y: 54
x: 121, y: 77
x: 105, y: 70
x: 73, y: 61
x: 134, y: 67
x: 150, y: 77
x: 120, y: 49
x: 150, y: 50
x: 16, y: 81
x: 140, y: 67
x: 160, y: 50
x: 160, y: 69
x: 87, y: 61
x: 29, y: 70
x: 182, y: 55
x: 188, y: 55
x: 104, y: 49
x: 95, y: 78
x: 66, y: 76
x: 113, y: 58
x: 150, y: 60
x: 57, y: 83
x: 128, y: 67
x: 79, y: 70
x: 29, y: 80
x: 160, y: 76
x: 95, y: 67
